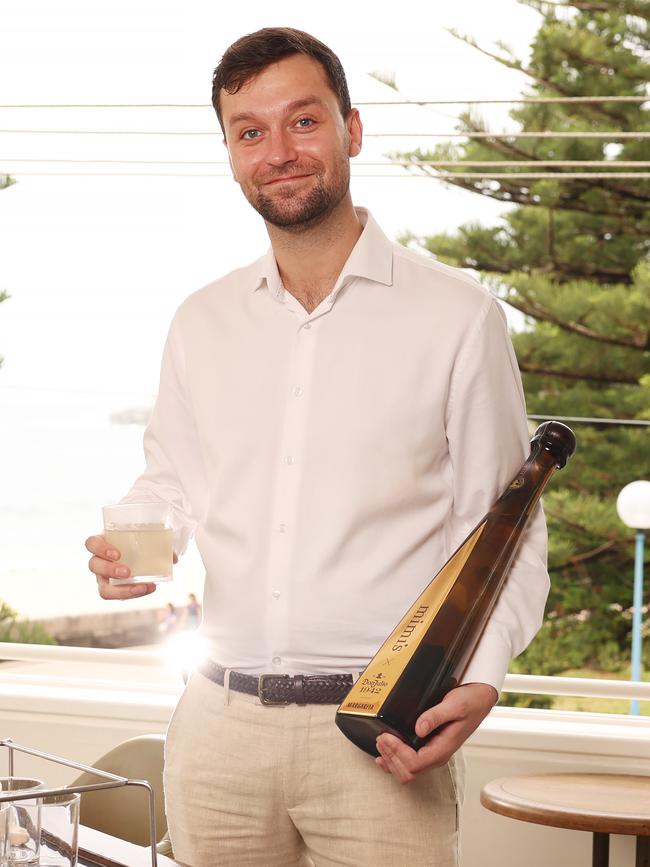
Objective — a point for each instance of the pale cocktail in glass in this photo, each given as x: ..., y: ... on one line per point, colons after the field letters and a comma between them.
x: 142, y: 533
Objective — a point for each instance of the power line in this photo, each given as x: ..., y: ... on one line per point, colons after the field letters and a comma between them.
x: 521, y: 163
x: 358, y: 163
x: 443, y: 176
x: 595, y: 420
x: 558, y: 176
x: 105, y: 132
x: 608, y: 136
x: 180, y: 175
x: 524, y: 100
x: 110, y: 105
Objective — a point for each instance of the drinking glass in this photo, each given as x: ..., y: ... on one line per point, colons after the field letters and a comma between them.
x: 4, y: 817
x: 59, y: 830
x: 22, y: 821
x: 142, y: 533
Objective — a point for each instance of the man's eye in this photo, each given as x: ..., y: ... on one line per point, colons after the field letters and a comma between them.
x: 250, y: 134
x: 305, y: 122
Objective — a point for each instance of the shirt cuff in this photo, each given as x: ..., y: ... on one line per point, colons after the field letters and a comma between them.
x: 490, y: 661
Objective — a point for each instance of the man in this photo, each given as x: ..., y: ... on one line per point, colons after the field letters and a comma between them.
x: 332, y: 420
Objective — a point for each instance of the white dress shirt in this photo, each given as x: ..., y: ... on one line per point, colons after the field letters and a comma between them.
x: 330, y: 462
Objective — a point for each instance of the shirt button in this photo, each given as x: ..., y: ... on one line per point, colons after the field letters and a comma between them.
x: 282, y: 528
x: 276, y: 594
x: 289, y: 460
x: 276, y: 660
x: 307, y: 325
x: 297, y: 391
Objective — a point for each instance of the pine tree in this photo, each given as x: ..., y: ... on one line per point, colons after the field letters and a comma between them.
x: 573, y: 256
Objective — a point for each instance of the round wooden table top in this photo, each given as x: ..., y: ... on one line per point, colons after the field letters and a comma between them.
x: 605, y: 803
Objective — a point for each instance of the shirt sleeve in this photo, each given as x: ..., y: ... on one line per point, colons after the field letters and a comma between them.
x: 174, y: 471
x: 488, y: 441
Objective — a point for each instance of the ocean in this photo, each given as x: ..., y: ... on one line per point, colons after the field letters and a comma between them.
x: 61, y: 460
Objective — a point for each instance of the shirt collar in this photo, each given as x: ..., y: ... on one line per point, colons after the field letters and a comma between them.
x: 371, y: 258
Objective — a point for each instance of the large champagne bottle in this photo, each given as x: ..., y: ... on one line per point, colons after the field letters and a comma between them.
x: 426, y: 654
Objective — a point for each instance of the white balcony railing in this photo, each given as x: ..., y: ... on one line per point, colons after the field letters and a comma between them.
x: 527, y: 684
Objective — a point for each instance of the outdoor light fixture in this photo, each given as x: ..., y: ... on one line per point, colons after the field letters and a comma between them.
x: 633, y: 507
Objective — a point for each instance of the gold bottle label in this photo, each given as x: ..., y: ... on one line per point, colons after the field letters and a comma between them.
x: 375, y: 684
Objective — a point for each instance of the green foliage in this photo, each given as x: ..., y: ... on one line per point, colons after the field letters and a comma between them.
x: 572, y: 256
x: 21, y: 631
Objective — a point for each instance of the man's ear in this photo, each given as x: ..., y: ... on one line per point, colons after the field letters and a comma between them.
x: 355, y: 132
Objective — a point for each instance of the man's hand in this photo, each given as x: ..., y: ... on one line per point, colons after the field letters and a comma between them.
x: 103, y: 564
x: 459, y: 713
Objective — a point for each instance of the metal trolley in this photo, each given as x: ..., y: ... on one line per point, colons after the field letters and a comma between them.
x: 110, y: 781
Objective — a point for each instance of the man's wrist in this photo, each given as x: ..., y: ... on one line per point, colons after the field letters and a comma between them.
x: 490, y: 691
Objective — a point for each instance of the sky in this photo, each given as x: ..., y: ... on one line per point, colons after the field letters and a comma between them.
x: 97, y: 265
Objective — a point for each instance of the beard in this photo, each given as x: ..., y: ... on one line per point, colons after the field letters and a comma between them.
x: 297, y: 210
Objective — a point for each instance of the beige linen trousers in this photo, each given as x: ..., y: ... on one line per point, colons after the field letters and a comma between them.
x: 254, y: 786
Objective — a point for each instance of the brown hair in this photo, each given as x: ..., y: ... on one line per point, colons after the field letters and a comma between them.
x: 252, y: 53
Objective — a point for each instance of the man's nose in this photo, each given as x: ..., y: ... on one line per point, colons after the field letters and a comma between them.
x: 281, y: 149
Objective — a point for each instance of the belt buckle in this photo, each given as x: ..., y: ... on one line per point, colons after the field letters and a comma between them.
x: 260, y: 690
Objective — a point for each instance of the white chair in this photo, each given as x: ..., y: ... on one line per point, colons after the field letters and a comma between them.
x: 124, y: 811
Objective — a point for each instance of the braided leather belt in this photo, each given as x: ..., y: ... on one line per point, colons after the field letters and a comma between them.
x: 281, y: 689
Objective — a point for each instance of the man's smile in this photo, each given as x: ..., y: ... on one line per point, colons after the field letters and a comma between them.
x: 286, y: 179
